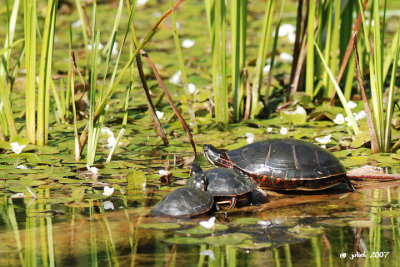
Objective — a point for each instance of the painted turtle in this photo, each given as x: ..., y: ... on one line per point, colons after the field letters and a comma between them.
x: 223, y: 184
x: 186, y: 201
x: 283, y: 164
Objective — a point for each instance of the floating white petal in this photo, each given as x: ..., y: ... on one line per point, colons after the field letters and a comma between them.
x: 108, y: 191
x: 283, y: 130
x: 188, y: 43
x: 209, y: 253
x: 191, y: 88
x: 324, y: 140
x: 208, y: 224
x: 286, y: 57
x: 351, y: 104
x: 160, y: 114
x: 339, y: 119
x: 108, y: 205
x: 17, y: 148
x: 176, y: 78
x: 250, y: 138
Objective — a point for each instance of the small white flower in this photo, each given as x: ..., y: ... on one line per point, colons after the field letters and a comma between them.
x: 18, y: 195
x: 283, y: 130
x: 286, y: 57
x: 351, y: 104
x: 90, y: 46
x: 266, y: 69
x: 348, y: 121
x: 108, y: 191
x: 115, y: 49
x: 269, y: 129
x: 209, y: 253
x: 339, y: 119
x: 93, y: 170
x: 323, y: 146
x: 361, y: 115
x: 292, y: 38
x: 76, y: 24
x: 264, y: 223
x: 324, y: 140
x: 162, y: 172
x: 208, y: 224
x: 188, y: 43
x: 141, y: 2
x: 17, y: 148
x: 191, y: 88
x: 176, y: 78
x: 108, y: 205
x: 286, y: 29
x: 250, y: 137
x: 22, y: 167
x: 160, y: 114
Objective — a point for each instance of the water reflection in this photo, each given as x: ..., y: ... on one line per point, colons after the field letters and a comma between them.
x: 358, y: 229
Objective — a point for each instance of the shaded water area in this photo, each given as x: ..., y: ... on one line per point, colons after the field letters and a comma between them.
x: 53, y: 211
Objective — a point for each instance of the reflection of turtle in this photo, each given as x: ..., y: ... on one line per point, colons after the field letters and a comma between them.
x: 186, y: 201
x: 224, y: 184
x: 283, y: 164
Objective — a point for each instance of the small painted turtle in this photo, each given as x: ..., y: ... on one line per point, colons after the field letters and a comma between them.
x: 223, y: 184
x: 186, y: 201
x: 283, y: 164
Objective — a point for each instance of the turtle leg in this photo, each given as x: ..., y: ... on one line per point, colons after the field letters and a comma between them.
x: 257, y: 197
x: 233, y: 202
x: 349, y: 184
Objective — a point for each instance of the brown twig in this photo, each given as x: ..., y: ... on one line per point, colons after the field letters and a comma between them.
x: 156, y: 122
x: 248, y: 97
x: 297, y: 42
x: 87, y: 21
x: 371, y: 127
x: 347, y: 54
x: 171, y: 102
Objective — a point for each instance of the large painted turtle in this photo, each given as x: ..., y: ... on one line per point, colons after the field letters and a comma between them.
x: 186, y: 201
x: 223, y: 184
x: 283, y: 164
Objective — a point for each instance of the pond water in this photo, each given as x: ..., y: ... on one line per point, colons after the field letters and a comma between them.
x: 53, y: 211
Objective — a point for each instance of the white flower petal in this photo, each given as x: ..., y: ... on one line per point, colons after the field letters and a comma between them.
x: 108, y: 191
x: 141, y: 2
x: 339, y: 119
x: 250, y: 137
x: 286, y: 57
x: 188, y: 43
x: 208, y: 224
x: 17, y: 148
x: 209, y: 253
x: 351, y: 104
x: 286, y: 29
x: 176, y: 78
x: 362, y: 115
x: 283, y: 130
x: 266, y: 69
x: 292, y: 38
x: 160, y: 114
x: 108, y: 205
x: 269, y: 129
x: 191, y: 88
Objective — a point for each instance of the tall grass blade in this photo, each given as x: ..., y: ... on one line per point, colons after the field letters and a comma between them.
x: 339, y: 93
x: 46, y: 60
x: 310, y: 48
x: 7, y: 108
x: 261, y: 57
x: 30, y: 66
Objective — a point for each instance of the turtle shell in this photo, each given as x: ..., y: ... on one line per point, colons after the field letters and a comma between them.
x: 184, y: 202
x: 222, y: 182
x: 287, y: 164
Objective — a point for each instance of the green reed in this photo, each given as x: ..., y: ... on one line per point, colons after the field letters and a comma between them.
x: 45, y: 73
x: 310, y: 48
x: 239, y: 36
x: 381, y: 118
x: 216, y: 12
x: 261, y: 57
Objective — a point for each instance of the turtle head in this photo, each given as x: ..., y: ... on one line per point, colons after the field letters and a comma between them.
x: 195, y: 169
x: 212, y: 154
x: 200, y: 181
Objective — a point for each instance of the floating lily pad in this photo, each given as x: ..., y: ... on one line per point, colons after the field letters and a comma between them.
x: 228, y: 239
x: 160, y: 226
x: 78, y: 194
x: 136, y: 180
x: 184, y: 240
x: 249, y: 244
x: 306, y: 230
x: 200, y: 230
x: 361, y: 223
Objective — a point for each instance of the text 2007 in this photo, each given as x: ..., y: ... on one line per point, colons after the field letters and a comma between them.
x: 379, y: 255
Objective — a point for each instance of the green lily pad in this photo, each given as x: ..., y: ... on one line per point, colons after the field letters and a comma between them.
x: 306, y: 230
x: 160, y: 226
x: 228, y: 239
x: 249, y: 244
x: 184, y: 240
x: 200, y: 230
x: 78, y: 194
x: 361, y: 223
x: 136, y: 180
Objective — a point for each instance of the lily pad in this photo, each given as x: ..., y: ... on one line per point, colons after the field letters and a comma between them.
x: 200, y: 230
x: 228, y: 239
x: 184, y: 240
x: 249, y: 244
x: 160, y: 226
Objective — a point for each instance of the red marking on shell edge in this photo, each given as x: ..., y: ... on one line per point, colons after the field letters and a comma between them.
x: 293, y: 181
x: 277, y: 181
x: 263, y: 178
